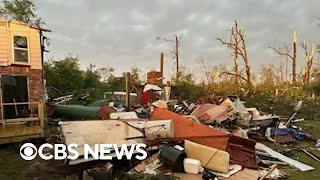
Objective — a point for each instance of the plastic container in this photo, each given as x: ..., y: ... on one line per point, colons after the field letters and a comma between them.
x: 172, y: 157
x: 191, y: 166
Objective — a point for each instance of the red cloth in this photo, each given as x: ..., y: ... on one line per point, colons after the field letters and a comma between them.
x: 145, y: 97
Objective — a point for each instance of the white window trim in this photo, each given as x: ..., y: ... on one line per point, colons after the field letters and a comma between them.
x: 13, y: 48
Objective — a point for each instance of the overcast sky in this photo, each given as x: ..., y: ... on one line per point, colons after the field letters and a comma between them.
x: 122, y: 34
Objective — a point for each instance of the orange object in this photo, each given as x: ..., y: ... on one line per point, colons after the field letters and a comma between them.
x: 105, y: 111
x: 241, y: 150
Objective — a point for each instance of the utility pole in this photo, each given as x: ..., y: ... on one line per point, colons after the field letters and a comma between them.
x: 175, y: 52
x: 161, y: 64
x: 128, y: 87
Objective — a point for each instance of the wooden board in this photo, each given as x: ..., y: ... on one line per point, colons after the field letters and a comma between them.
x: 99, y: 132
x: 18, y: 130
x: 22, y: 120
x: 211, y: 158
x: 8, y: 140
x: 18, y: 133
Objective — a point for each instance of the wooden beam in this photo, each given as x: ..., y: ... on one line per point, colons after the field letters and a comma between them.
x: 41, y: 114
x: 128, y: 90
x: 311, y: 155
x: 161, y: 64
x: 19, y: 103
x: 22, y: 120
x: 1, y: 102
x: 273, y: 167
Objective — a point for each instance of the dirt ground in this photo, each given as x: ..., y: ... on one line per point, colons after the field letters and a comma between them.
x: 12, y: 166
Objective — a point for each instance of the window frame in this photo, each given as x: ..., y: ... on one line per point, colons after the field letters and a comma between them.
x: 25, y: 49
x: 2, y: 104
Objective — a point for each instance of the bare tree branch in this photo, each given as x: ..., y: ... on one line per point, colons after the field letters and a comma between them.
x: 280, y: 53
x: 224, y: 42
x: 233, y: 74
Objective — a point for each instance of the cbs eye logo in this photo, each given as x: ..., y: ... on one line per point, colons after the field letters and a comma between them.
x: 28, y: 151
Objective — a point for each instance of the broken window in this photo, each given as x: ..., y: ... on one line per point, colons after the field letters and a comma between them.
x: 20, y: 48
x: 14, y: 90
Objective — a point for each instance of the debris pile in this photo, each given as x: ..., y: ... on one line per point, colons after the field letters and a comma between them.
x: 214, y: 137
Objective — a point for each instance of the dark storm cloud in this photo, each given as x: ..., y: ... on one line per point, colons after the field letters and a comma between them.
x: 122, y: 34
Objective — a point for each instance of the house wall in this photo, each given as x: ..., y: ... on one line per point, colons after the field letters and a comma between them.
x: 33, y: 69
x: 7, y: 31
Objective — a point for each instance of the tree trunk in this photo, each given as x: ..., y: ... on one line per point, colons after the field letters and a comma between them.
x: 286, y: 75
x: 236, y: 70
x: 177, y: 57
x: 245, y: 59
x: 294, y: 64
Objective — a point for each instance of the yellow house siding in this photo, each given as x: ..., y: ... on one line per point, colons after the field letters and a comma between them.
x: 18, y: 29
x: 35, y: 49
x: 3, y: 45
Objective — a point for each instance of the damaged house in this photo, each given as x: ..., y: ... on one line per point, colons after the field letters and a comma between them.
x: 21, y: 79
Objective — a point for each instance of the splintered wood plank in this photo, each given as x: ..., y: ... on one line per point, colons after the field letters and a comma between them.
x: 99, y: 132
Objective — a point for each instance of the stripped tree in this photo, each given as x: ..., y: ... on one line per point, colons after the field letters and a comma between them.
x: 238, y: 45
x: 293, y: 57
x: 309, y: 60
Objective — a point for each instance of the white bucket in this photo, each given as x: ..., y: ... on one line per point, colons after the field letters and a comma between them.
x: 191, y: 166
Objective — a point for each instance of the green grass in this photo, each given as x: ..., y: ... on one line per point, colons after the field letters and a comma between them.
x: 312, y: 127
x: 11, y: 164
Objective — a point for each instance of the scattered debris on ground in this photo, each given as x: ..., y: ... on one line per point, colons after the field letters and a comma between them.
x: 213, y: 138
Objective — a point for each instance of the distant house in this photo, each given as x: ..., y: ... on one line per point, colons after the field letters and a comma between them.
x: 21, y: 80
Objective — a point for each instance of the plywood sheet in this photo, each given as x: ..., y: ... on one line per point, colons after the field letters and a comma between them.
x: 211, y: 158
x: 99, y: 132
